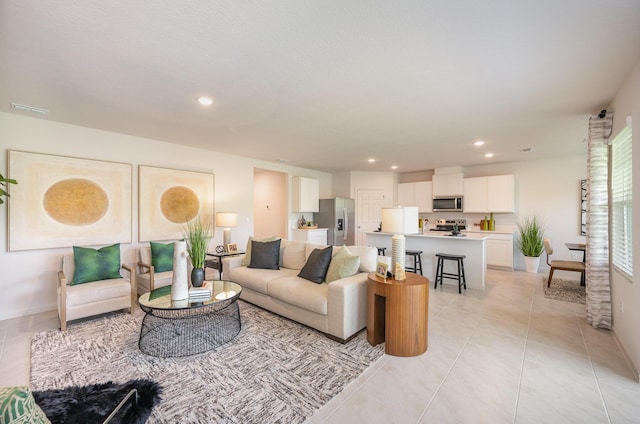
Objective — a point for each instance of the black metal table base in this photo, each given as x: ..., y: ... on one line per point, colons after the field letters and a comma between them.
x: 185, y: 332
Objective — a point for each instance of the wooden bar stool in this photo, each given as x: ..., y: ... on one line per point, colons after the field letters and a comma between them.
x: 381, y: 251
x: 417, y: 261
x: 440, y: 274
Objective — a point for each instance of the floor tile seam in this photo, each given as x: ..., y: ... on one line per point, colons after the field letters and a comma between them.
x: 357, y: 388
x: 595, y: 375
x: 435, y: 393
x: 524, y: 355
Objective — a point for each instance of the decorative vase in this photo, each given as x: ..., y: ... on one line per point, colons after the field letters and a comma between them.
x: 180, y: 282
x: 531, y: 264
x: 197, y: 277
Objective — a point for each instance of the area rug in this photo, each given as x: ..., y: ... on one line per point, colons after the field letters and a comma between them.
x: 565, y: 290
x: 275, y: 370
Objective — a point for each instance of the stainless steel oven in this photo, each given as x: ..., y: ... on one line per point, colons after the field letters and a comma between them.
x: 447, y: 204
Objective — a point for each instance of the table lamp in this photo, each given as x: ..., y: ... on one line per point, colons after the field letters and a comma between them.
x: 399, y: 221
x: 226, y: 220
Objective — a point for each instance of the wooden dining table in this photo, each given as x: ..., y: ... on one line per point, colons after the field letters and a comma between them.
x: 579, y: 247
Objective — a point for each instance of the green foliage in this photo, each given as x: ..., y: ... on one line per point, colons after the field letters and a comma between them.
x: 3, y: 185
x: 530, y: 237
x: 197, y: 236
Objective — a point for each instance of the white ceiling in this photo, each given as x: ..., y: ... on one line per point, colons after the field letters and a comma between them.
x: 326, y: 84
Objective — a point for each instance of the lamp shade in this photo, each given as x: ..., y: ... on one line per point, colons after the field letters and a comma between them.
x: 226, y: 219
x: 400, y: 220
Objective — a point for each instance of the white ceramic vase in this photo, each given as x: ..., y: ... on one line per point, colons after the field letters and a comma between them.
x: 180, y: 283
x: 531, y: 264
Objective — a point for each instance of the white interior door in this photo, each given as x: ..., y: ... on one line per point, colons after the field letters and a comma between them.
x: 369, y: 204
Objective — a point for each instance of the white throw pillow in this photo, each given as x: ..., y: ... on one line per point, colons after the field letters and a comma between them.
x: 292, y: 254
x: 343, y: 264
x: 368, y: 257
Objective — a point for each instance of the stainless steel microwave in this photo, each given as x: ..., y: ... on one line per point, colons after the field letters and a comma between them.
x: 447, y: 204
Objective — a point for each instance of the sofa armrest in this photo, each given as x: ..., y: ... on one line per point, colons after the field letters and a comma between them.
x: 231, y: 262
x: 347, y: 305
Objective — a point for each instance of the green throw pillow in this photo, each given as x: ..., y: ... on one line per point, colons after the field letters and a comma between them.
x: 343, y: 265
x: 18, y: 406
x: 95, y: 265
x: 161, y: 256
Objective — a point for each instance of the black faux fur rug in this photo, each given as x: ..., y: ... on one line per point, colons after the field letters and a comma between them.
x: 94, y: 403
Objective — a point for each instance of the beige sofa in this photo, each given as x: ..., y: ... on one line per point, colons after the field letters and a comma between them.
x: 338, y: 309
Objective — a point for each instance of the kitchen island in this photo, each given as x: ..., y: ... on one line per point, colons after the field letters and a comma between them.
x: 473, y: 245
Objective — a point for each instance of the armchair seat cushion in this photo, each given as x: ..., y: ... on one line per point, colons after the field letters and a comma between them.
x: 98, y: 291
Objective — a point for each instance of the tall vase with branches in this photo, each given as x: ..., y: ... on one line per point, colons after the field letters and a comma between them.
x: 530, y: 241
x: 197, y: 236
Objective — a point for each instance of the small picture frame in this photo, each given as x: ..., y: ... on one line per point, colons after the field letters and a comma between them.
x: 232, y: 248
x: 381, y: 269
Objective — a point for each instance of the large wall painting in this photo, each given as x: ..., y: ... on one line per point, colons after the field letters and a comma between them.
x: 169, y: 198
x: 62, y: 201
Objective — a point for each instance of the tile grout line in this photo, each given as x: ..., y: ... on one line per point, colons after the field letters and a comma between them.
x: 593, y: 370
x: 524, y: 355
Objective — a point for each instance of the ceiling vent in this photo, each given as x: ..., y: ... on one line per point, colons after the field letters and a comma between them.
x: 30, y: 109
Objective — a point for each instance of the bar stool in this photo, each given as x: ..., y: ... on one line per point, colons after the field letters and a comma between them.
x: 417, y: 261
x: 381, y: 250
x: 440, y: 274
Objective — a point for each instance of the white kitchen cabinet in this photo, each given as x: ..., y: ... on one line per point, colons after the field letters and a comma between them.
x: 418, y: 194
x: 500, y: 251
x: 447, y: 184
x: 489, y: 194
x: 501, y: 193
x: 305, y: 194
x: 315, y: 236
x: 475, y: 195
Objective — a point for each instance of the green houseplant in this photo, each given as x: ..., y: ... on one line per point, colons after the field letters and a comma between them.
x: 530, y: 242
x: 3, y: 186
x: 197, y: 236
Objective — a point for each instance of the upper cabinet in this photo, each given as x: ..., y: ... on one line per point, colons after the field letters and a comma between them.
x: 305, y: 194
x: 489, y: 194
x: 447, y: 184
x: 418, y: 194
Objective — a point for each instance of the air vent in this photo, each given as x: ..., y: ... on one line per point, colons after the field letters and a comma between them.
x: 526, y: 149
x: 30, y: 109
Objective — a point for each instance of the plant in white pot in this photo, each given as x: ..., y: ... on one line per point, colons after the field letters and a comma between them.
x: 530, y: 242
x: 197, y: 236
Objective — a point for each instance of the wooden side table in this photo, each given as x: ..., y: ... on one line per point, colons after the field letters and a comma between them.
x: 398, y: 314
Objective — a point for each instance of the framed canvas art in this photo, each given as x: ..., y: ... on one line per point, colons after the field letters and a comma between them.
x: 169, y: 198
x: 63, y: 201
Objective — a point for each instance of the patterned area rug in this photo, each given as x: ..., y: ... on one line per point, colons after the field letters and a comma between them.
x: 275, y: 370
x: 565, y: 290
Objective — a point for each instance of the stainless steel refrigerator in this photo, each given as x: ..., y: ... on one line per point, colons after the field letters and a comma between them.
x: 338, y: 215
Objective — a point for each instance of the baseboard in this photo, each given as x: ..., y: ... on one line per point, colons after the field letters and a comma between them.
x: 29, y: 311
x: 627, y: 357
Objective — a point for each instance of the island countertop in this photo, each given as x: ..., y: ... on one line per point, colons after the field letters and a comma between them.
x: 472, y: 245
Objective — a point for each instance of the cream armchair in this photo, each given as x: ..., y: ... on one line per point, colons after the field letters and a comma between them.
x: 147, y: 278
x: 93, y: 298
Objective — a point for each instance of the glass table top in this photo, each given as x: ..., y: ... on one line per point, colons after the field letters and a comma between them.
x: 161, y: 298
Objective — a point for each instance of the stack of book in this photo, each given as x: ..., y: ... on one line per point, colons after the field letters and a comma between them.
x: 200, y: 294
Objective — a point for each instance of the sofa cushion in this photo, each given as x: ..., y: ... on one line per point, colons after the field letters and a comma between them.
x: 342, y: 265
x: 256, y: 279
x: 161, y: 256
x: 368, y: 257
x: 95, y: 265
x: 265, y: 255
x: 317, y: 265
x: 298, y: 292
x: 247, y: 255
x: 292, y: 254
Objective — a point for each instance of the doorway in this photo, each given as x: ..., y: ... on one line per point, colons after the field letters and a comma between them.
x: 369, y: 210
x: 270, y: 203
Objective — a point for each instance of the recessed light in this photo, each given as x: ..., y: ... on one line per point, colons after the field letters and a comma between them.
x: 488, y: 155
x: 205, y: 101
x: 478, y: 143
x: 371, y: 160
x: 394, y: 167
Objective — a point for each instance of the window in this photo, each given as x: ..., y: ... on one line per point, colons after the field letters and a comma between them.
x: 621, y: 205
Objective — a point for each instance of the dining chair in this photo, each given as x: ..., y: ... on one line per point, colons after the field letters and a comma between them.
x: 575, y: 266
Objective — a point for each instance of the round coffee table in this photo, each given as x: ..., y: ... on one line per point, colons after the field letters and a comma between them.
x: 172, y: 328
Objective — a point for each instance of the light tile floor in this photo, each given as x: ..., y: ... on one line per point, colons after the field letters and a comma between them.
x: 505, y: 354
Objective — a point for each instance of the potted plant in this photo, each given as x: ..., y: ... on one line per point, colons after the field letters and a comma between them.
x: 530, y: 242
x: 197, y: 236
x: 3, y: 185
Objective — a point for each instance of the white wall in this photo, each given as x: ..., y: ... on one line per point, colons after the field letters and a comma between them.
x: 625, y: 293
x: 387, y: 181
x: 28, y: 283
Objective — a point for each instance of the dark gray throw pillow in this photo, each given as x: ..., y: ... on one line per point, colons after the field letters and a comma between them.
x: 317, y: 265
x: 265, y: 255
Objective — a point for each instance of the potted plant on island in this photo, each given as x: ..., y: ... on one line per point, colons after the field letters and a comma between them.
x: 530, y: 242
x: 197, y: 236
